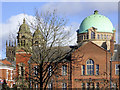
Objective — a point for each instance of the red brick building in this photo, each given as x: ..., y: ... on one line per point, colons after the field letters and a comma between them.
x: 92, y: 64
x: 7, y: 73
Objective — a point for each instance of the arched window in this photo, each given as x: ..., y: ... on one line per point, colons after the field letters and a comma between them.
x: 101, y: 36
x: 107, y: 37
x: 92, y: 35
x: 90, y: 67
x: 104, y: 36
x: 84, y: 37
x: 80, y: 37
x: 23, y: 36
x: 24, y: 42
x: 98, y: 36
x: 21, y: 43
x: 36, y: 42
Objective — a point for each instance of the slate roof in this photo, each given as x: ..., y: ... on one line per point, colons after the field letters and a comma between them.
x: 5, y: 62
x: 22, y: 57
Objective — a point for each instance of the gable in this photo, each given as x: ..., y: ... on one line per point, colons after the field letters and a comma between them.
x: 90, y: 51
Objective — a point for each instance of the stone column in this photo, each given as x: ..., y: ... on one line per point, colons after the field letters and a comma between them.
x: 114, y: 35
x: 95, y: 34
x: 89, y: 34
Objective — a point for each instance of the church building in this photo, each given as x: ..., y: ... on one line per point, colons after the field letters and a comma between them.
x: 94, y: 63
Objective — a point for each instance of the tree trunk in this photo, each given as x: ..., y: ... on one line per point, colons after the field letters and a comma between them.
x: 41, y: 78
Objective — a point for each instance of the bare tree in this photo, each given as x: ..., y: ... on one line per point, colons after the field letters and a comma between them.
x: 50, y: 49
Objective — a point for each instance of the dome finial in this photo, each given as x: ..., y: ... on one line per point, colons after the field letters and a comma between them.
x: 96, y: 12
x: 24, y: 20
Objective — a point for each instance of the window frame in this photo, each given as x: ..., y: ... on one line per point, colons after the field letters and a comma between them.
x: 88, y: 85
x: 92, y: 35
x: 64, y: 70
x: 50, y: 70
x: 116, y: 69
x: 83, y: 70
x: 64, y: 86
x: 98, y: 36
x: 35, y: 70
x: 97, y: 85
x: 50, y: 86
x: 90, y: 67
x: 83, y: 85
x: 97, y: 70
x: 22, y: 70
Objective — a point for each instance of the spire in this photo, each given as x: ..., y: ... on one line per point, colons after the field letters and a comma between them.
x: 9, y: 42
x: 24, y: 20
x: 12, y: 43
x: 96, y: 12
x: 6, y: 42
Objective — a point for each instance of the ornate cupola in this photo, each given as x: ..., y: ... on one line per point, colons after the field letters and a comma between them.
x: 96, y: 28
x: 37, y: 37
x: 24, y: 37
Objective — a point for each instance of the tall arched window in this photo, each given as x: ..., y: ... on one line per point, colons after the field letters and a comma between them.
x: 82, y: 37
x: 90, y: 67
x: 24, y: 42
x: 36, y: 42
x: 107, y: 37
x: 104, y: 36
x: 98, y: 36
x: 92, y: 35
x: 21, y: 43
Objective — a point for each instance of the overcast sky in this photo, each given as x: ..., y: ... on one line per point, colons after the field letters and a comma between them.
x: 14, y: 12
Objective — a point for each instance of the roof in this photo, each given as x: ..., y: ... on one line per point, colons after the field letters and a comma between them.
x: 100, y: 22
x: 22, y: 57
x: 87, y: 42
x: 52, y: 54
x: 116, y: 53
x: 5, y: 62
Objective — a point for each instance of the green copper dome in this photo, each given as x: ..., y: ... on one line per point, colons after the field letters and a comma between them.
x: 100, y: 22
x: 24, y: 27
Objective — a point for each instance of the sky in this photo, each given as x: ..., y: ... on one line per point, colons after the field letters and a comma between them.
x: 12, y: 14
